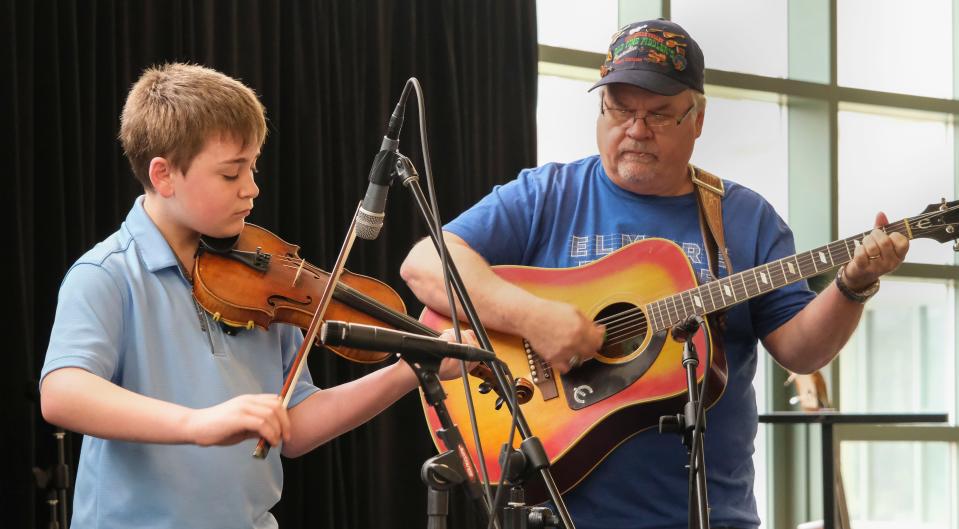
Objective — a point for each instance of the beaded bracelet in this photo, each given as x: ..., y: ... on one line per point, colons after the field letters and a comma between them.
x: 859, y: 297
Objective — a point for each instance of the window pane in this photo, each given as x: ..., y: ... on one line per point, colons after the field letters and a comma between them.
x: 887, y: 45
x: 745, y: 141
x: 578, y: 25
x: 565, y: 119
x: 753, y: 44
x: 898, y: 484
x: 901, y: 357
x: 898, y: 165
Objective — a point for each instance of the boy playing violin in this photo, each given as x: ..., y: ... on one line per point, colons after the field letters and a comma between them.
x: 149, y: 378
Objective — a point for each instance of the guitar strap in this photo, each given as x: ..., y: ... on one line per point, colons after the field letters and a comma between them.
x: 709, y: 196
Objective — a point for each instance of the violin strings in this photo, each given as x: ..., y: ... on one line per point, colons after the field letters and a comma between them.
x: 295, y: 263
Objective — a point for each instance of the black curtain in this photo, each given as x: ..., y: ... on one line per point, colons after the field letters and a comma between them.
x: 329, y: 73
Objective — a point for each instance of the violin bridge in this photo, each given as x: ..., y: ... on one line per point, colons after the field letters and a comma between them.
x: 299, y: 270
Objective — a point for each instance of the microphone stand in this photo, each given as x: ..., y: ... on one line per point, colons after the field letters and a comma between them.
x: 454, y: 466
x: 57, y: 480
x: 62, y: 478
x: 537, y: 456
x: 442, y: 472
x: 691, y: 424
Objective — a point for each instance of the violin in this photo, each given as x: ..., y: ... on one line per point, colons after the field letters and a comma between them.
x: 256, y: 278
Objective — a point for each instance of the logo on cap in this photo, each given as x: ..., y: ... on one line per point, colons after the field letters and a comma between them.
x: 656, y: 55
x: 646, y: 45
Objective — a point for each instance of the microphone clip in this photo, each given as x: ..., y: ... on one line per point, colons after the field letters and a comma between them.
x: 405, y: 170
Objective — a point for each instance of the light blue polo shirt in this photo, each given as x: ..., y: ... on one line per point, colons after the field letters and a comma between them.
x: 126, y: 313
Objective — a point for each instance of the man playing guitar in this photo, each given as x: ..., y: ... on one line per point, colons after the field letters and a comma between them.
x: 639, y: 187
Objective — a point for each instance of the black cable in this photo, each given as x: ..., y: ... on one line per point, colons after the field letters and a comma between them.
x: 700, y: 416
x: 509, y: 392
x: 434, y: 225
x: 695, y: 446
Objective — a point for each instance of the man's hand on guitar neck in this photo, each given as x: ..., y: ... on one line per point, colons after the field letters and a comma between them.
x: 879, y: 254
x: 815, y: 336
x: 560, y: 334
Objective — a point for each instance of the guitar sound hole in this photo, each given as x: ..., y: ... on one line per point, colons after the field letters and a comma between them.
x: 625, y: 329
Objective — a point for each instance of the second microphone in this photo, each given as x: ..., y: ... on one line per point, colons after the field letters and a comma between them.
x: 414, y: 346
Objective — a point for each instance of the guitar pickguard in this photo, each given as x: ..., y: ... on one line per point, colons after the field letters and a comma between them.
x: 595, y: 381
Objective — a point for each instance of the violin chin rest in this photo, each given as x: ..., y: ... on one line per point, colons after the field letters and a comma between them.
x: 218, y: 245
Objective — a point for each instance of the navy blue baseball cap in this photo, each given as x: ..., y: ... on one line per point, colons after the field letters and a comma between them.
x: 656, y: 55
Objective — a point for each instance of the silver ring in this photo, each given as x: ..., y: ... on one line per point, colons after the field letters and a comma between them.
x: 874, y: 257
x: 574, y: 361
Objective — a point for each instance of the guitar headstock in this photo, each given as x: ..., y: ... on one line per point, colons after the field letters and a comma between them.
x: 939, y: 222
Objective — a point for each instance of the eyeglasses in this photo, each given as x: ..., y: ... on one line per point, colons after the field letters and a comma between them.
x: 623, y: 116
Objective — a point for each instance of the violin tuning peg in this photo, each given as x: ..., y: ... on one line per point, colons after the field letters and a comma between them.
x: 524, y: 390
x: 484, y: 388
x: 499, y: 403
x: 955, y: 246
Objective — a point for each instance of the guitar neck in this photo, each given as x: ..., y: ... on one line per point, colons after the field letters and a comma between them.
x: 722, y: 293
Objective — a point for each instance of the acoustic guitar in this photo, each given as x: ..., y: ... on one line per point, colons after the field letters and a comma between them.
x: 639, y: 292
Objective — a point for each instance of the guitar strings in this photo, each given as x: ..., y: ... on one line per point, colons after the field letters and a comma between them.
x: 620, y: 326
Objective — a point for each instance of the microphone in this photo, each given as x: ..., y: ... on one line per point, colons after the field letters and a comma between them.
x: 413, y: 346
x: 369, y: 218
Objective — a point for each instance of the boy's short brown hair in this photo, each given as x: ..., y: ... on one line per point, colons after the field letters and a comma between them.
x: 173, y: 109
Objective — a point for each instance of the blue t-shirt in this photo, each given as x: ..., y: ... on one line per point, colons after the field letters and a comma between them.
x: 563, y: 215
x: 126, y: 313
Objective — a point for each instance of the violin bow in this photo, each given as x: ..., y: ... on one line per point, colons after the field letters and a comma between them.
x: 262, y: 447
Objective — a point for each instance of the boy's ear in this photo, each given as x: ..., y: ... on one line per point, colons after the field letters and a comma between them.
x: 161, y: 176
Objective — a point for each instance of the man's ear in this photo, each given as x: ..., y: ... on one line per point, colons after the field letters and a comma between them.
x: 161, y: 176
x: 700, y: 118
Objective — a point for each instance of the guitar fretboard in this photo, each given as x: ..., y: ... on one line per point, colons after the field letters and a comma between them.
x: 719, y: 294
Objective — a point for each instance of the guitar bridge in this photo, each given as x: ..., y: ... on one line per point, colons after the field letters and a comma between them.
x: 541, y: 373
